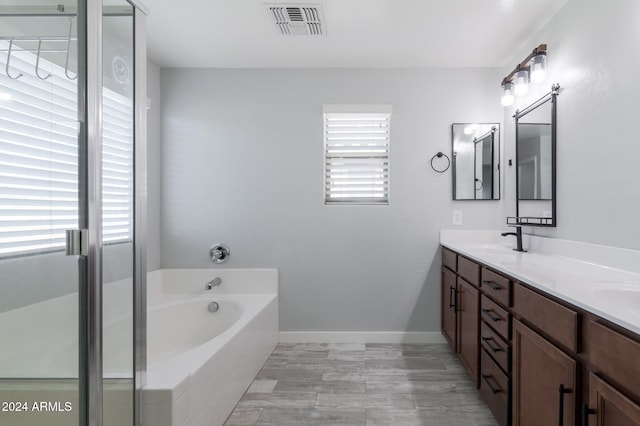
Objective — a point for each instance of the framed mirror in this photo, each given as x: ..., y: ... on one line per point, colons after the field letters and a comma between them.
x: 476, y: 161
x: 536, y: 163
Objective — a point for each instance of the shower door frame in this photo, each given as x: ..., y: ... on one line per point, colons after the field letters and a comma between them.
x: 90, y: 396
x: 90, y: 36
x: 140, y: 206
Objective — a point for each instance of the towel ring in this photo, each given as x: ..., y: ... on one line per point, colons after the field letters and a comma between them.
x: 440, y: 155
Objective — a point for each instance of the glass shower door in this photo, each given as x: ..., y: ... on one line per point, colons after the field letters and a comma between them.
x: 39, y: 200
x: 67, y: 155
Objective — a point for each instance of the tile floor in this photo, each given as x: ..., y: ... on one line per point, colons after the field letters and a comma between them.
x: 358, y: 384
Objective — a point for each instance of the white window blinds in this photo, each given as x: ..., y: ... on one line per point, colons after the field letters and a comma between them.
x: 357, y: 157
x: 117, y: 167
x: 39, y: 158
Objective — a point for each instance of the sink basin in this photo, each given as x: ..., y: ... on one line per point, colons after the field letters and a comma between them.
x: 490, y: 249
x: 496, y: 251
x: 625, y: 296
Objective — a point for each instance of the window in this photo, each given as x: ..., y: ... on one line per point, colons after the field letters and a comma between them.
x: 39, y: 159
x: 356, y: 140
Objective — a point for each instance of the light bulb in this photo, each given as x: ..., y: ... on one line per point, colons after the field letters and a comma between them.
x: 521, y: 80
x: 539, y: 68
x: 507, y: 94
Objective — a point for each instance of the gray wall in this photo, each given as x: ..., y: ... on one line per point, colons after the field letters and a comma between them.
x: 594, y: 53
x: 242, y: 164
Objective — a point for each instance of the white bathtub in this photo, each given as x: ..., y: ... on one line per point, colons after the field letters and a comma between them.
x: 200, y: 363
x: 197, y: 325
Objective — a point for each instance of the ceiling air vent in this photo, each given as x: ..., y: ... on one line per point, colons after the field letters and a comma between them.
x: 297, y: 20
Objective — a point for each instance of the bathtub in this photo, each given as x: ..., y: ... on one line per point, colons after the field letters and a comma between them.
x: 200, y: 363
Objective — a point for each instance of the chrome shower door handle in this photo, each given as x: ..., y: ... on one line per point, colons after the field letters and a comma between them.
x: 76, y: 242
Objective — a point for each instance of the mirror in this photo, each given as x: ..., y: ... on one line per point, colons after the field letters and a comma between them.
x: 535, y: 159
x: 476, y: 161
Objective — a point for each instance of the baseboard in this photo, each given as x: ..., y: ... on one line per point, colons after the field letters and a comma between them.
x: 360, y: 337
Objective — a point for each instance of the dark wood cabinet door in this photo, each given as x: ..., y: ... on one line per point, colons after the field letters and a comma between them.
x: 610, y: 407
x: 468, y: 328
x: 448, y: 308
x: 540, y: 373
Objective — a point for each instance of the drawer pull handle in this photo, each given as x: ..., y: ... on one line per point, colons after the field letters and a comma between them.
x: 486, y: 378
x: 491, y: 284
x: 452, y: 298
x: 488, y: 312
x: 586, y: 411
x: 561, y: 392
x: 492, y: 347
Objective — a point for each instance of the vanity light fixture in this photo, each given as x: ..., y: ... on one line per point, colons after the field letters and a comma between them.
x: 532, y: 69
x: 521, y: 82
x: 539, y: 68
x: 507, y: 94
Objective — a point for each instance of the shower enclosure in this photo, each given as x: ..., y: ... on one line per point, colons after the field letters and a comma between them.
x: 72, y: 209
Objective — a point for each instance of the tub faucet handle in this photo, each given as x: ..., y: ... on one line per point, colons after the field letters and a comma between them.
x: 213, y: 283
x: 219, y: 253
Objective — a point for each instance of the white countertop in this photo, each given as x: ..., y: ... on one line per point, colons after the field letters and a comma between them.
x: 586, y: 275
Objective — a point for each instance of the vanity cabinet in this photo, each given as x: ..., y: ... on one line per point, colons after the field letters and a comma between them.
x: 608, y: 406
x: 495, y: 388
x: 449, y: 315
x: 559, y: 323
x: 468, y: 297
x: 616, y: 357
x: 544, y: 381
x: 460, y: 301
x: 495, y: 343
x: 538, y: 360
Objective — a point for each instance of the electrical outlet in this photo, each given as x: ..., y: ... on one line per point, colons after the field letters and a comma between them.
x: 457, y: 217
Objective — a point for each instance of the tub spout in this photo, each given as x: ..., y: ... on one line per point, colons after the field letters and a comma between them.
x: 214, y: 282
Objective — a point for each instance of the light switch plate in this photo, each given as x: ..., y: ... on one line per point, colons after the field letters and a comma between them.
x: 457, y: 217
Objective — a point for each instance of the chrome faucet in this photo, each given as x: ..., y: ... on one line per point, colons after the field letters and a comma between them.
x: 518, y: 235
x: 213, y: 283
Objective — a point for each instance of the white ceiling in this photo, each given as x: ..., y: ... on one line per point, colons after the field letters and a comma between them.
x: 360, y: 33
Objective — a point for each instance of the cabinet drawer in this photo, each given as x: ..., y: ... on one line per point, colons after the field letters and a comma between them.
x: 496, y: 286
x: 615, y: 356
x: 469, y: 270
x: 494, y: 389
x: 496, y: 316
x: 449, y: 259
x: 495, y: 346
x: 557, y: 321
